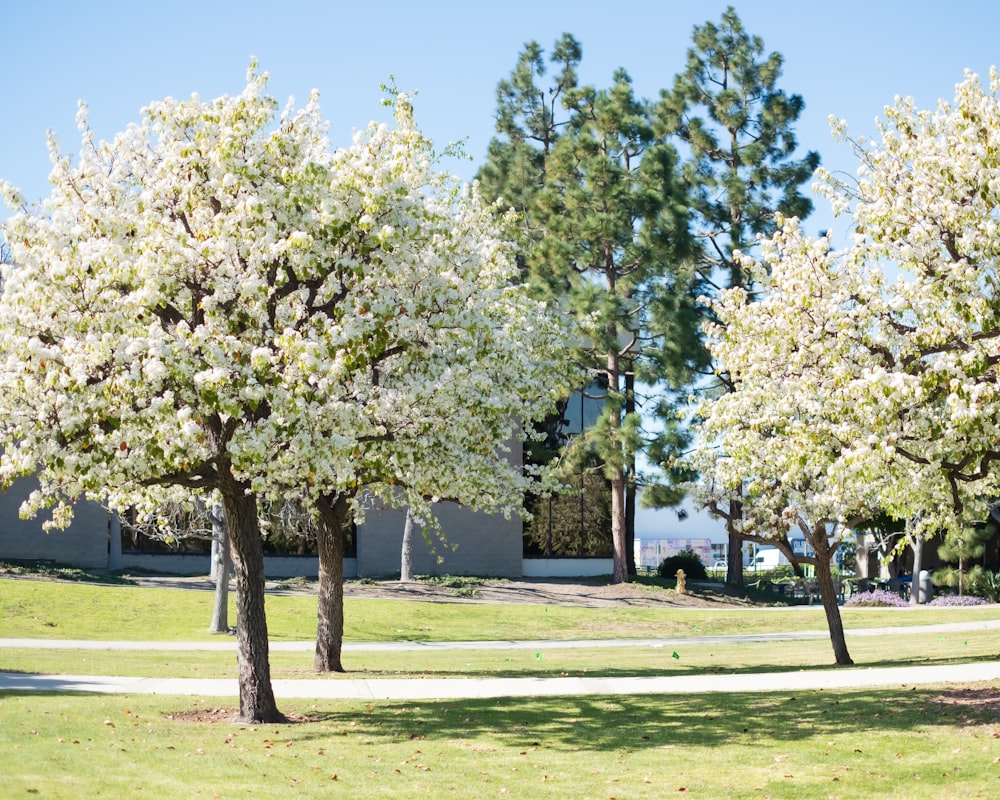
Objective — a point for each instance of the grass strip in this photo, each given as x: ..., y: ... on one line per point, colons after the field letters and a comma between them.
x: 693, y: 658
x: 57, y: 610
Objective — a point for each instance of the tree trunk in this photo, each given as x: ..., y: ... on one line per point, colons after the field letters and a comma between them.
x: 630, y: 480
x: 828, y: 594
x: 630, y: 500
x: 917, y: 543
x: 619, y: 529
x: 406, y: 557
x: 256, y: 695
x: 215, y: 556
x: 734, y: 558
x: 115, y: 541
x: 221, y: 567
x: 619, y: 572
x: 330, y: 608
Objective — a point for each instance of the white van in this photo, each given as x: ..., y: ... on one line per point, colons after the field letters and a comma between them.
x: 768, y: 558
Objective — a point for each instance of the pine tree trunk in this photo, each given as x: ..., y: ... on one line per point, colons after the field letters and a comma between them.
x: 828, y: 594
x: 618, y: 543
x: 330, y: 606
x: 619, y: 528
x: 630, y: 478
x: 256, y: 695
x: 630, y: 500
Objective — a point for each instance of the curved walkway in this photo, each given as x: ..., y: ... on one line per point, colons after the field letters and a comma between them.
x: 453, y: 688
x: 471, y: 688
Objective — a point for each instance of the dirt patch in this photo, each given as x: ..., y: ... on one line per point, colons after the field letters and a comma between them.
x: 984, y: 699
x: 215, y: 716
x: 578, y: 592
x: 585, y: 592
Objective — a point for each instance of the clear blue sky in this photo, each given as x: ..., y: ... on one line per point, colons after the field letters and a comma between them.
x: 848, y: 58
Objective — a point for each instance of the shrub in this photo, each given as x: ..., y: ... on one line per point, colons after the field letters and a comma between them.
x: 955, y: 600
x: 686, y: 560
x: 977, y: 582
x: 988, y: 585
x: 879, y: 598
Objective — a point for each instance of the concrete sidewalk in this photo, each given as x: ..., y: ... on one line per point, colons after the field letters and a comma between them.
x: 342, y: 687
x: 472, y: 688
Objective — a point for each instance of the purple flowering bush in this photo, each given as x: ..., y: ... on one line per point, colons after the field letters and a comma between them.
x: 955, y: 600
x: 877, y: 598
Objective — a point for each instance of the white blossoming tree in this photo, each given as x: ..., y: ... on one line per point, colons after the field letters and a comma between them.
x: 213, y: 301
x: 865, y: 380
x: 458, y: 362
x: 773, y: 439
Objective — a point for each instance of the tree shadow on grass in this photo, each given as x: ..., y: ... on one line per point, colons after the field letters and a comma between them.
x: 610, y: 723
x: 616, y: 723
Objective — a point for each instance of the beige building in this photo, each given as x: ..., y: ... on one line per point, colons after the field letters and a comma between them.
x: 83, y: 544
x: 475, y: 544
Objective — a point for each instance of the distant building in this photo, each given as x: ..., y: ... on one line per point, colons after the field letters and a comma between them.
x: 649, y: 553
x: 475, y: 544
x: 83, y: 544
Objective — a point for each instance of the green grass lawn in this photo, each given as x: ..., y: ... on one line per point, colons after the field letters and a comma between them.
x: 928, y: 742
x: 58, y: 610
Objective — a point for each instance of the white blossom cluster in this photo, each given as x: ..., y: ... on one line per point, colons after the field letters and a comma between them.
x: 865, y: 380
x: 215, y: 291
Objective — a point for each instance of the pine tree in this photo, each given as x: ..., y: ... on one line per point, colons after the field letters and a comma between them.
x: 959, y: 552
x: 738, y: 129
x: 605, y: 223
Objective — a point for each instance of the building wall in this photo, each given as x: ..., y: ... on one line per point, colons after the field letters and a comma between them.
x: 476, y: 544
x: 198, y: 564
x: 82, y: 544
x: 567, y: 567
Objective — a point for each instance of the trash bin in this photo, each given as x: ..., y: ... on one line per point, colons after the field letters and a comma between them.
x: 924, y: 589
